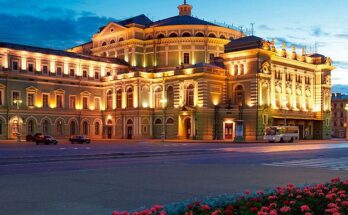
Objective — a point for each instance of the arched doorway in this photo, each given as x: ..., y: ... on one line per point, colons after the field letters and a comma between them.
x: 129, y: 129
x: 188, y: 129
x: 72, y: 128
x: 109, y: 129
x: 15, y: 127
x: 85, y: 128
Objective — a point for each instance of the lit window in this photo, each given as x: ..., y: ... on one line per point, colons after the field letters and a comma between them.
x: 119, y: 99
x: 109, y: 100
x: 97, y: 103
x: 158, y: 97
x: 186, y: 58
x: 130, y: 98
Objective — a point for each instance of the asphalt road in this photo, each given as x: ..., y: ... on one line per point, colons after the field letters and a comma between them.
x: 102, y: 177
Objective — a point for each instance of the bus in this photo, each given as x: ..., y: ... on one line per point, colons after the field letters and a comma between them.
x: 282, y: 134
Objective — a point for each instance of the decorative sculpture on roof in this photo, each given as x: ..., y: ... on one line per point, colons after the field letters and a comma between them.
x: 328, y: 61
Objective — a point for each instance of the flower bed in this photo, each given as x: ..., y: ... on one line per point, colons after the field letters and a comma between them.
x: 321, y: 199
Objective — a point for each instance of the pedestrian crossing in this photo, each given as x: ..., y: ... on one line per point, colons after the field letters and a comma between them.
x: 325, y: 163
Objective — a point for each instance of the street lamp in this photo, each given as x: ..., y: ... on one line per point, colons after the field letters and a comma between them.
x: 18, y: 102
x: 164, y: 104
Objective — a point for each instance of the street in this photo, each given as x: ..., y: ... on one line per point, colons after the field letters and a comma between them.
x: 102, y: 177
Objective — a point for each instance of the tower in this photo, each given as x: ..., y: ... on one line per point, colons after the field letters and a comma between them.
x: 185, y: 9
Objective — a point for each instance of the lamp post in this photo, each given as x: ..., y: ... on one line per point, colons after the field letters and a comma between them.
x: 164, y: 104
x: 18, y: 102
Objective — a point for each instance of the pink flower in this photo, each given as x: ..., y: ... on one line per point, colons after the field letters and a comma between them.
x: 273, y: 212
x: 285, y: 209
x: 345, y: 203
x: 305, y: 208
x: 217, y: 212
x: 116, y: 213
x: 205, y: 207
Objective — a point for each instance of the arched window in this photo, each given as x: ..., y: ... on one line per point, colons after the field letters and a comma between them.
x: 45, y: 127
x: 121, y: 39
x: 158, y: 97
x: 59, y: 127
x: 112, y: 41
x: 85, y: 128
x: 109, y: 100
x: 158, y: 121
x: 199, y: 34
x: 173, y: 35
x: 190, y: 92
x: 239, y: 96
x: 129, y: 122
x: 72, y: 128
x: 186, y: 34
x: 222, y: 37
x: 170, y: 121
x: 104, y: 54
x: 97, y: 128
x: 130, y: 98
x: 170, y: 97
x: 119, y: 98
x: 109, y: 122
x: 104, y: 44
x: 160, y: 36
x: 30, y: 127
x: 212, y: 35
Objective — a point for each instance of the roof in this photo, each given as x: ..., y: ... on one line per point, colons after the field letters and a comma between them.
x: 181, y: 20
x: 61, y: 53
x: 244, y: 43
x: 141, y: 20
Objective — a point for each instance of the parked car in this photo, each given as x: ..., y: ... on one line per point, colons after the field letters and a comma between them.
x: 32, y: 138
x: 79, y: 139
x: 45, y: 139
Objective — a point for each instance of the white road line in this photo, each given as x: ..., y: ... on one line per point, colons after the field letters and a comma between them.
x: 328, y: 163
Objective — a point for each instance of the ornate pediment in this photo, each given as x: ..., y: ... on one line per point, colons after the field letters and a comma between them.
x: 111, y: 28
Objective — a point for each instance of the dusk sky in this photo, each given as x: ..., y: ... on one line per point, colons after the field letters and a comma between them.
x: 61, y: 24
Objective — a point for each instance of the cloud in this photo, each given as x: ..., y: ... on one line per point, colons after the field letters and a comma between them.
x: 53, y: 32
x: 318, y: 32
x: 341, y: 64
x: 344, y: 36
x: 281, y: 40
x: 265, y: 28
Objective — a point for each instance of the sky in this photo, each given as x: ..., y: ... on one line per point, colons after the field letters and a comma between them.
x: 318, y: 25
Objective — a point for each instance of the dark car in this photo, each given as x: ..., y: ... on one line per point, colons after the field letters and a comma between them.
x: 32, y: 138
x: 80, y: 139
x: 45, y: 139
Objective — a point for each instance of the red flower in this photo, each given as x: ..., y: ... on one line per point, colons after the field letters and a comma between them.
x: 305, y: 208
x: 205, y: 207
x: 254, y: 209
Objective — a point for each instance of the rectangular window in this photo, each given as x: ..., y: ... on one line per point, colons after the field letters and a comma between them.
x: 30, y: 67
x: 186, y: 58
x: 85, y: 103
x: 15, y: 65
x: 45, y: 69
x: 45, y: 100
x: 15, y: 97
x: 97, y: 103
x: 59, y: 71
x: 72, y: 102
x: 96, y: 75
x: 72, y: 73
x: 211, y: 56
x: 84, y: 74
x: 59, y: 101
x: 31, y: 100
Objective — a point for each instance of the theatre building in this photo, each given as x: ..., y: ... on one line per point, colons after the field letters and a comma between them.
x: 176, y: 78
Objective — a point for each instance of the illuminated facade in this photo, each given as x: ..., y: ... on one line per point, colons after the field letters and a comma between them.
x: 178, y: 78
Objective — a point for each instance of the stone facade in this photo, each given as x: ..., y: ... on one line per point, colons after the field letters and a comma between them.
x: 339, y: 115
x: 178, y: 78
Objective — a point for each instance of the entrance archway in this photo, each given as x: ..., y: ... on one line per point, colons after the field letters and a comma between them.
x: 15, y: 126
x: 187, y: 128
x: 129, y: 129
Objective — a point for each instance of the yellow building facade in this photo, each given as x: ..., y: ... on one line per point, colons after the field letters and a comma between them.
x: 177, y: 78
